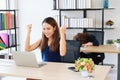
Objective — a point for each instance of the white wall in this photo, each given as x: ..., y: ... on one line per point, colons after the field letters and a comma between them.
x: 34, y: 11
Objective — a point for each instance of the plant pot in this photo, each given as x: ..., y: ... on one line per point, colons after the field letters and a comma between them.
x: 84, y: 73
x: 108, y: 26
x: 117, y: 45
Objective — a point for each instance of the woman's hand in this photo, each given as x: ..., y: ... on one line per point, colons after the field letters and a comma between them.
x: 29, y: 26
x: 62, y: 29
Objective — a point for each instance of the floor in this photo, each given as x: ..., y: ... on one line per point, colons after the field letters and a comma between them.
x: 111, y: 76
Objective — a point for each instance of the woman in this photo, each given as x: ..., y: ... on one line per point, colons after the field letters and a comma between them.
x: 89, y: 40
x: 52, y: 44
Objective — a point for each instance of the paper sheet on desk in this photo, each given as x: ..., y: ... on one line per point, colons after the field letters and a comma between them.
x: 4, y: 62
x: 83, y: 48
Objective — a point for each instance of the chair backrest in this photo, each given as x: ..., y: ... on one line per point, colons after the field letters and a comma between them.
x: 73, y: 51
x: 100, y: 37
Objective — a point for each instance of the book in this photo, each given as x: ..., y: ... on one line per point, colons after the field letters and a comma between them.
x: 12, y: 21
x: 4, y: 37
x: 4, y: 18
x: 1, y: 41
x: 54, y: 4
x: 9, y: 20
x: 11, y: 40
x: 0, y: 21
x: 2, y: 46
x: 106, y: 3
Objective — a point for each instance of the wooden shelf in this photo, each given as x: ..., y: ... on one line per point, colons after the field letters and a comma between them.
x: 86, y: 28
x: 84, y: 9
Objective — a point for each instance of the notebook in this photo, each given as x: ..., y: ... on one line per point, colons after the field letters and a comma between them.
x: 26, y: 59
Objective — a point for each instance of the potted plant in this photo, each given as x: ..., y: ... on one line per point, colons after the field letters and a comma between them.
x: 109, y: 23
x: 110, y: 41
x: 84, y: 64
x: 117, y: 42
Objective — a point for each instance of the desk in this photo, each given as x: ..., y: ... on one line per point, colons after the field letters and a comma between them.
x: 105, y: 49
x: 50, y: 71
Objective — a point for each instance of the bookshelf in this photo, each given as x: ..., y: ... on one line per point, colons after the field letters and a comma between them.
x: 85, y: 22
x: 8, y: 29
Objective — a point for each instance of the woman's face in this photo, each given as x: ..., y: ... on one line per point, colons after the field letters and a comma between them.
x: 48, y: 30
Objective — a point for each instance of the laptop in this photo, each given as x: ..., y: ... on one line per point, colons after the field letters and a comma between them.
x: 26, y: 59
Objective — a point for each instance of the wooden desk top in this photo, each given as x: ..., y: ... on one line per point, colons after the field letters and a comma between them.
x: 101, y: 48
x: 50, y: 71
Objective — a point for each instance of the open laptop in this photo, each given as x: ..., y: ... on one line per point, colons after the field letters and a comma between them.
x: 27, y: 59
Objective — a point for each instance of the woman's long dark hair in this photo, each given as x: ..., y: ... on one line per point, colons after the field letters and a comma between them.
x: 54, y: 46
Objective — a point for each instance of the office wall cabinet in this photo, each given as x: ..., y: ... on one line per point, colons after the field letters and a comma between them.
x: 85, y: 22
x: 8, y: 31
x: 8, y: 28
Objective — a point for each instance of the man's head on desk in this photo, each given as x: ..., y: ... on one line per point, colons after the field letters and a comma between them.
x: 86, y: 39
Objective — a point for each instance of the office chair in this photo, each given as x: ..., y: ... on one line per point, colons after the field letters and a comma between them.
x: 100, y: 37
x: 73, y: 51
